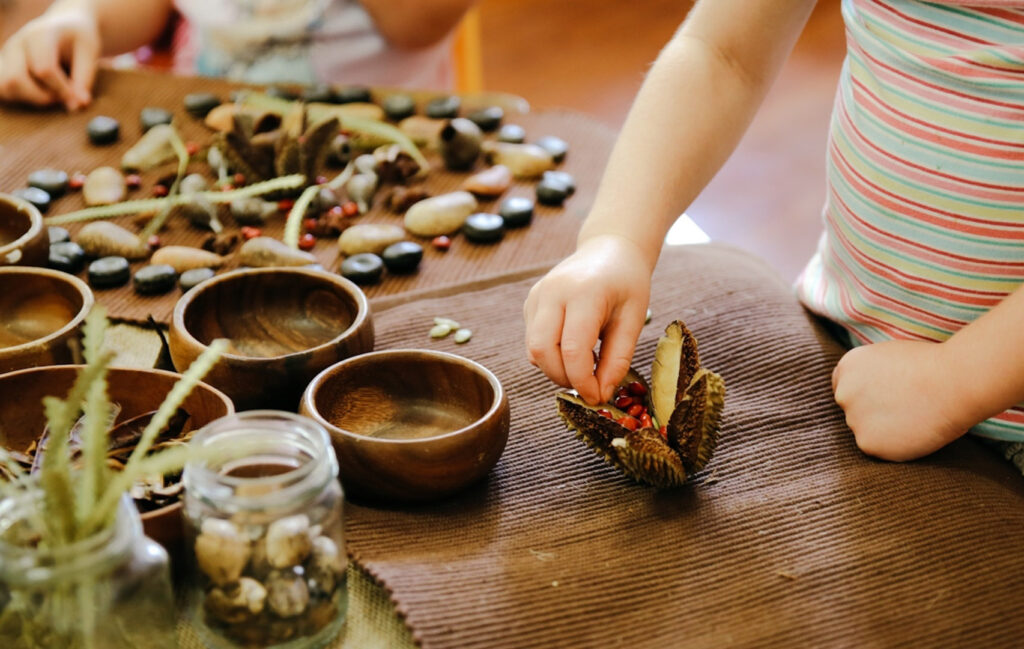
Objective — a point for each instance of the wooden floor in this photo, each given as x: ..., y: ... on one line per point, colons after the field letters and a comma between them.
x: 591, y: 56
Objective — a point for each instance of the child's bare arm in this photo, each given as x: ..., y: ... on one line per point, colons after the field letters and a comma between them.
x: 694, y: 106
x: 53, y: 58
x: 906, y: 399
x: 415, y: 23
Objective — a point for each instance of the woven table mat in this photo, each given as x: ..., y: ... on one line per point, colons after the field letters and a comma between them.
x: 790, y: 537
x: 31, y: 140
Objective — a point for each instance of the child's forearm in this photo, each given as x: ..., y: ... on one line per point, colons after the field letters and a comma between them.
x: 124, y: 25
x: 690, y: 114
x: 986, y: 360
x: 412, y: 24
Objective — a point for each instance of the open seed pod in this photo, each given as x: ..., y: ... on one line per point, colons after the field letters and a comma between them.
x: 658, y: 433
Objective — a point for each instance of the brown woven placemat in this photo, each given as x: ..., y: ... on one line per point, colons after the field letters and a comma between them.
x: 32, y: 140
x: 789, y: 538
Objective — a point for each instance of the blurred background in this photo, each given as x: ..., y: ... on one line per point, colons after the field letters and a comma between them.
x: 591, y: 56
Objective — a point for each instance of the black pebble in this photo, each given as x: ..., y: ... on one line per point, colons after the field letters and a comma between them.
x: 443, y: 107
x: 198, y: 104
x: 563, y: 177
x: 321, y: 93
x: 551, y: 191
x: 103, y: 130
x: 151, y: 116
x: 353, y: 94
x: 402, y: 257
x: 484, y: 227
x: 556, y: 146
x: 57, y: 234
x: 52, y: 181
x: 488, y: 118
x: 513, y: 133
x: 398, y: 107
x: 516, y: 211
x: 192, y: 278
x: 34, y: 195
x: 67, y: 256
x: 108, y: 272
x: 154, y: 279
x: 364, y: 268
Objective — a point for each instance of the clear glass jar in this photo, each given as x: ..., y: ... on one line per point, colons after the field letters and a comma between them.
x: 263, y: 508
x: 89, y: 595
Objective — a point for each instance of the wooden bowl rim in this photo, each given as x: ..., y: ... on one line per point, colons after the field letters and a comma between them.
x: 88, y: 300
x: 349, y: 287
x: 166, y: 509
x: 35, y: 222
x: 371, y: 357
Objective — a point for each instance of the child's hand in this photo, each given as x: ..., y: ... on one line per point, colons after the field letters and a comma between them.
x: 902, y: 398
x: 32, y: 60
x: 599, y: 292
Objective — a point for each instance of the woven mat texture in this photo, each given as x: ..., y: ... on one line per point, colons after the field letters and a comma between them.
x: 789, y: 538
x: 31, y: 140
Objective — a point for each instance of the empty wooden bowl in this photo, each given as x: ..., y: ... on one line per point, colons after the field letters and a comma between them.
x: 137, y: 391
x: 24, y: 240
x: 41, y: 313
x: 410, y: 425
x: 284, y: 326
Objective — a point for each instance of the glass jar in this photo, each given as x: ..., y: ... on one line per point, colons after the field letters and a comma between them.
x: 263, y: 508
x: 91, y: 594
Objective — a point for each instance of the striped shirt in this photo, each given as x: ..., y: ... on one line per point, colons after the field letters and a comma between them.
x: 924, y: 215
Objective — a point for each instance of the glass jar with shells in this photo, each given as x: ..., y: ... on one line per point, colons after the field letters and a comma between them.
x: 265, y: 533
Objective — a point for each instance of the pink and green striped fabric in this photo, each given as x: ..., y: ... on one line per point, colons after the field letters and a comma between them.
x: 924, y: 216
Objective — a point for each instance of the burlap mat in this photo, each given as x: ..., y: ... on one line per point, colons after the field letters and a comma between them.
x: 789, y: 538
x: 31, y: 140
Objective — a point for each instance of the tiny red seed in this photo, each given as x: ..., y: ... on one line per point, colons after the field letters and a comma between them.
x: 285, y: 204
x: 321, y: 180
x: 605, y: 413
x: 307, y: 241
x: 623, y: 402
x: 636, y: 410
x: 335, y: 212
x: 628, y: 422
x: 238, y: 179
x: 663, y: 431
x: 349, y: 208
x: 309, y: 224
x: 442, y: 242
x: 191, y: 148
x: 227, y: 187
x: 76, y: 181
x: 133, y: 181
x: 636, y: 388
x: 249, y: 232
x: 153, y: 242
x: 645, y: 421
x: 160, y: 191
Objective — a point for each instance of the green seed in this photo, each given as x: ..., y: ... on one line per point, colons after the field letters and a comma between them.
x: 440, y: 331
x: 463, y: 336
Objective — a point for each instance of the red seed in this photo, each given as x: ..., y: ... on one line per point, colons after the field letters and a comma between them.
x: 133, y: 181
x: 238, y: 179
x: 605, y: 413
x: 442, y: 243
x: 309, y: 224
x: 227, y: 187
x: 160, y: 191
x: 307, y: 241
x: 636, y: 388
x: 321, y: 180
x: 645, y: 421
x: 191, y: 148
x: 153, y: 242
x: 249, y: 232
x: 663, y: 431
x: 636, y: 410
x: 76, y: 181
x: 349, y: 208
x: 629, y: 422
x: 285, y: 204
x: 623, y: 402
x: 335, y: 212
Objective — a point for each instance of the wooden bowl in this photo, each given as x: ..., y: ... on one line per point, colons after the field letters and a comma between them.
x: 24, y: 240
x: 410, y: 425
x: 284, y: 325
x: 41, y: 313
x: 138, y: 391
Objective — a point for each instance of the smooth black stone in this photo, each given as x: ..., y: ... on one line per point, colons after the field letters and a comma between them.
x: 353, y: 94
x: 320, y: 93
x: 556, y: 146
x: 108, y: 272
x: 152, y: 116
x: 488, y: 118
x: 34, y: 195
x: 402, y: 257
x: 281, y: 93
x: 563, y: 177
x: 398, y: 107
x: 513, y: 133
x: 516, y: 211
x: 154, y: 279
x: 198, y: 104
x: 192, y: 278
x: 551, y: 191
x: 443, y: 107
x: 364, y: 268
x: 103, y: 130
x: 484, y: 227
x: 52, y: 181
x: 57, y: 234
x: 67, y: 256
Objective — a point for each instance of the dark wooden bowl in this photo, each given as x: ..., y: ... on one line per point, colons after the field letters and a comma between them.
x: 41, y: 312
x: 138, y: 391
x: 284, y: 324
x: 24, y: 240
x: 410, y: 425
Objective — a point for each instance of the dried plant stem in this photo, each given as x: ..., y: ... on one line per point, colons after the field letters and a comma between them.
x: 157, y: 222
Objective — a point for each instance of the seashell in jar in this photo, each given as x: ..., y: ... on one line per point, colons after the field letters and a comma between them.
x: 237, y: 602
x: 326, y: 564
x: 287, y: 594
x: 288, y: 542
x: 221, y: 551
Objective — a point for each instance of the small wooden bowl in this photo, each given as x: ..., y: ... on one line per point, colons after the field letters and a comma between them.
x: 41, y: 312
x: 284, y: 324
x: 24, y: 240
x: 138, y: 391
x: 410, y: 425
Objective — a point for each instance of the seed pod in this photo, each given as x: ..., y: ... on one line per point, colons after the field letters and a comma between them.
x: 460, y: 143
x: 104, y: 239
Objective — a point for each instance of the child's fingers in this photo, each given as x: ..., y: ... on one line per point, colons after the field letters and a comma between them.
x: 44, y: 65
x: 84, y: 55
x: 16, y: 84
x: 617, y: 345
x: 542, y: 342
x: 580, y: 332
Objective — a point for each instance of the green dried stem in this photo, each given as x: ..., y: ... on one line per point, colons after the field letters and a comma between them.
x: 157, y: 222
x: 292, y: 226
